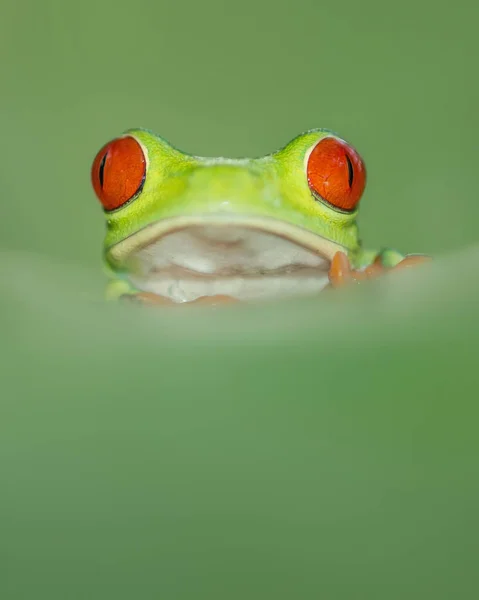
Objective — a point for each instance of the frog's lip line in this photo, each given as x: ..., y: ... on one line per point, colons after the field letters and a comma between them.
x: 314, y: 242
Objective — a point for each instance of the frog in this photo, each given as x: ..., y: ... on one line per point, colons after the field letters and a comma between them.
x: 183, y: 229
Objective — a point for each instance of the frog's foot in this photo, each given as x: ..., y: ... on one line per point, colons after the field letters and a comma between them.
x: 150, y: 299
x: 342, y: 273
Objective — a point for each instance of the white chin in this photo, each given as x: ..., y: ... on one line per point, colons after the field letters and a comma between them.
x: 229, y: 260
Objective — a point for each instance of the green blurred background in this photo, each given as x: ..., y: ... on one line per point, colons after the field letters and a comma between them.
x: 316, y: 449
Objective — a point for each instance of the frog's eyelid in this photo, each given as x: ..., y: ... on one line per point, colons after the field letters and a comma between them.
x: 308, y: 152
x: 142, y: 146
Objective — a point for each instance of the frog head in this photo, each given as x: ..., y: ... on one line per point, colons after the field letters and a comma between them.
x: 183, y: 226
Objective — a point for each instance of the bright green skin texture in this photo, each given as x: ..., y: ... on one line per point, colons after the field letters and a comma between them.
x: 271, y: 189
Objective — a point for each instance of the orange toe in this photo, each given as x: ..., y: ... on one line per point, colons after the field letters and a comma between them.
x: 411, y: 261
x: 340, y: 270
x: 215, y: 300
x: 150, y: 299
x: 147, y: 298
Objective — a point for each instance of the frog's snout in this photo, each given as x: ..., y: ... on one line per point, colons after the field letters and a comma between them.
x: 229, y: 187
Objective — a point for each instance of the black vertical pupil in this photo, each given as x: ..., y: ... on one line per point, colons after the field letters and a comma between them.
x: 350, y: 171
x: 101, y: 170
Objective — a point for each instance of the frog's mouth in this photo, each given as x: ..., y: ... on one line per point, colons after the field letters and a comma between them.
x: 184, y: 259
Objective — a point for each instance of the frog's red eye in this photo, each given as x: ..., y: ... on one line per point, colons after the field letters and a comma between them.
x: 336, y: 173
x: 118, y: 172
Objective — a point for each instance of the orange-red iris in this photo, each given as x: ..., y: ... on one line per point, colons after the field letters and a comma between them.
x: 118, y: 172
x: 336, y: 173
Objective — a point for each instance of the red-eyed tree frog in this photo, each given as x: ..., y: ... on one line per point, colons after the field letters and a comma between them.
x: 184, y: 229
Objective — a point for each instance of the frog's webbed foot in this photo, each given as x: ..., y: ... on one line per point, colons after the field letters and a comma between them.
x: 149, y: 299
x: 145, y: 298
x: 342, y: 273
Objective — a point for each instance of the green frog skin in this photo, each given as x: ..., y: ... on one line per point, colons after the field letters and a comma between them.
x: 183, y: 229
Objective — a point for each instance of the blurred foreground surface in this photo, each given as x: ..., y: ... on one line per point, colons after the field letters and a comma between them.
x: 324, y: 448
